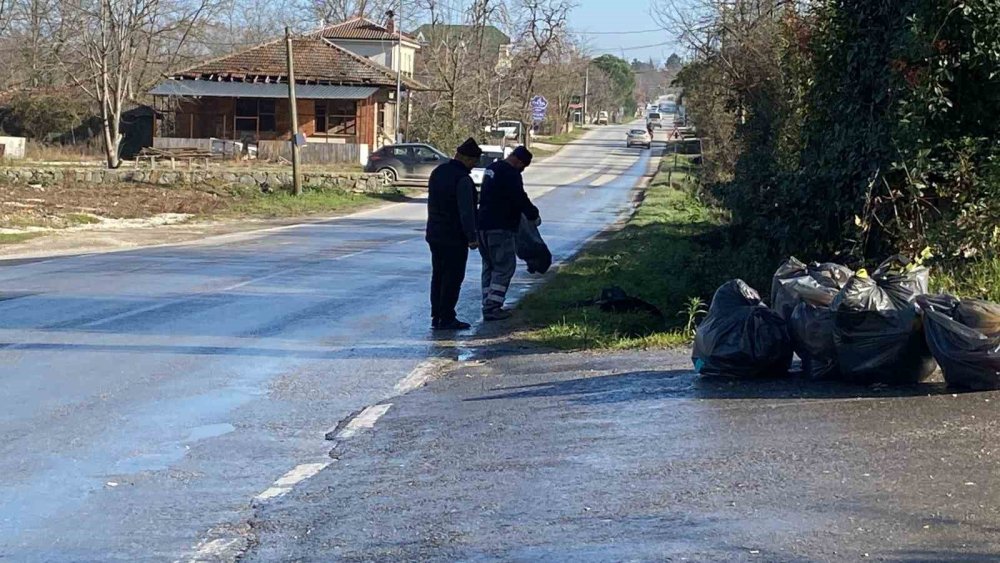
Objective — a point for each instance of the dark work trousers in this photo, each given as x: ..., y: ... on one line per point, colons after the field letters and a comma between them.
x: 448, y: 272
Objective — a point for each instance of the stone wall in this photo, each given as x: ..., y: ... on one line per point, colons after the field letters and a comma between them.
x: 245, y: 177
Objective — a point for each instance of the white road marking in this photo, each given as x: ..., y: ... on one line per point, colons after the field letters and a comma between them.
x: 366, y: 419
x: 420, y: 375
x: 219, y: 549
x: 290, y: 479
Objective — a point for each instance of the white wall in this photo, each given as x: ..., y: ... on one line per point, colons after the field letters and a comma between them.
x: 381, y: 52
x: 13, y: 147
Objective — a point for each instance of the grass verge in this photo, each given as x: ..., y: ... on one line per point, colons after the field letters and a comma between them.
x: 673, y: 249
x: 14, y: 238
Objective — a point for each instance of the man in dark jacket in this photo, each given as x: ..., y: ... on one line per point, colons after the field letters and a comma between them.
x: 451, y: 232
x: 503, y: 202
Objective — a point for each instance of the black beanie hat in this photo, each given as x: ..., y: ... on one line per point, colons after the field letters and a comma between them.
x: 523, y: 154
x: 470, y: 148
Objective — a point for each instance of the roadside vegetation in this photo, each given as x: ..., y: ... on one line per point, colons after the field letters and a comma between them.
x: 849, y: 131
x: 673, y: 253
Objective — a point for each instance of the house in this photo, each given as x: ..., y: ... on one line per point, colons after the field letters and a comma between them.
x: 382, y: 44
x: 497, y: 46
x: 342, y: 97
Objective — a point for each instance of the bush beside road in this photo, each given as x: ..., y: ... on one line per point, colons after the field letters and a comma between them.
x: 673, y: 249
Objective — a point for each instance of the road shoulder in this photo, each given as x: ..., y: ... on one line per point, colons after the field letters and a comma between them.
x: 594, y: 457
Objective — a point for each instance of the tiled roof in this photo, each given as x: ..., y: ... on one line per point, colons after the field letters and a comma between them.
x: 361, y: 29
x: 316, y: 60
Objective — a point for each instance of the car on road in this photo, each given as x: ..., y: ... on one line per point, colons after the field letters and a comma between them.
x: 491, y: 154
x: 406, y: 163
x: 638, y: 138
x: 654, y: 120
x: 602, y: 118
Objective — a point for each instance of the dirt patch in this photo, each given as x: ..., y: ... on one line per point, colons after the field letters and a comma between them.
x: 23, y: 206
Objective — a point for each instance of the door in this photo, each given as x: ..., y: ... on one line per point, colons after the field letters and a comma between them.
x: 425, y: 160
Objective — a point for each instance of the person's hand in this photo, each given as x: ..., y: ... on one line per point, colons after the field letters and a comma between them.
x: 473, y: 245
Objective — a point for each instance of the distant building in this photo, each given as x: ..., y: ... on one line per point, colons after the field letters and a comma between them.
x: 343, y: 97
x: 381, y: 44
x: 497, y: 46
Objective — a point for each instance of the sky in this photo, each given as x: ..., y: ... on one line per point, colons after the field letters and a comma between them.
x: 594, y: 19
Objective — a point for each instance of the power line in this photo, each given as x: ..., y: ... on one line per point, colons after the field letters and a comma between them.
x: 636, y: 47
x: 633, y: 32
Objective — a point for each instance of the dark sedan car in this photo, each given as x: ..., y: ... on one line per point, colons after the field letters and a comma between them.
x: 407, y: 163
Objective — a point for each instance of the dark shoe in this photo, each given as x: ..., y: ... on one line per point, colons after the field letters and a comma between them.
x: 453, y: 324
x: 435, y: 323
x: 497, y: 315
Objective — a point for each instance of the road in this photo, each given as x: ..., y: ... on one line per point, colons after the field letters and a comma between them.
x: 149, y: 395
x: 529, y: 456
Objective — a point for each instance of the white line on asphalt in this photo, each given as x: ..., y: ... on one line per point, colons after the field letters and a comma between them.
x: 290, y: 479
x: 420, y: 375
x: 366, y: 419
x: 219, y: 549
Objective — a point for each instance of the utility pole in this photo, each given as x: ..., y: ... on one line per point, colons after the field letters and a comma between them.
x: 586, y: 94
x: 296, y: 176
x: 399, y: 68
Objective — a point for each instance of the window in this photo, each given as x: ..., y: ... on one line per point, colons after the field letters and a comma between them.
x: 488, y: 158
x: 426, y: 153
x: 336, y: 117
x: 254, y: 115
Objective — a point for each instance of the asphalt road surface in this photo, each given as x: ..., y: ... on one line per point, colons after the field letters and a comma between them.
x: 149, y: 395
x: 632, y: 457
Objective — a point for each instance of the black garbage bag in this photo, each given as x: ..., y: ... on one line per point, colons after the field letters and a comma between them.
x: 878, y: 332
x: 968, y: 355
x: 741, y: 337
x: 615, y: 300
x: 532, y: 248
x: 811, y: 329
x: 796, y: 282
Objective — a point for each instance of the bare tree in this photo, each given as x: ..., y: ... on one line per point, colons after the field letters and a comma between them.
x: 542, y: 26
x: 119, y: 39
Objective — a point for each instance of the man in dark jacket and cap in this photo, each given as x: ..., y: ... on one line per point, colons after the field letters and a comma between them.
x: 451, y: 232
x: 503, y: 203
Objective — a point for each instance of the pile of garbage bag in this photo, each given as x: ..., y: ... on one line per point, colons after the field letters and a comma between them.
x: 964, y: 337
x: 878, y: 332
x: 741, y: 337
x: 882, y: 327
x: 802, y: 295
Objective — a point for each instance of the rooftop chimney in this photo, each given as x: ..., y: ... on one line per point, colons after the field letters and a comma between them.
x: 390, y: 22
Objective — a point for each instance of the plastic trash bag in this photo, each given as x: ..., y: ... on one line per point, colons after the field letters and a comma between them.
x: 968, y: 356
x: 878, y: 332
x: 796, y: 282
x: 741, y: 337
x: 802, y: 294
x: 532, y: 248
x: 811, y: 329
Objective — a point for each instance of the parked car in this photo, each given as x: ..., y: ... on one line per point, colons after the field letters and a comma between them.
x: 406, y: 163
x: 654, y: 120
x: 511, y: 129
x: 602, y: 118
x: 491, y: 154
x: 638, y: 138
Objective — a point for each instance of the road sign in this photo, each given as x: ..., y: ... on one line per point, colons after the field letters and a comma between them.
x: 538, y: 106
